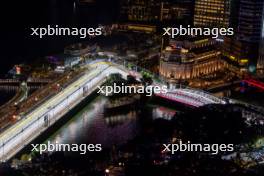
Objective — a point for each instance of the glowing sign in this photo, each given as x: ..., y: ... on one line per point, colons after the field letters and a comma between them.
x: 244, y: 61
x: 232, y: 57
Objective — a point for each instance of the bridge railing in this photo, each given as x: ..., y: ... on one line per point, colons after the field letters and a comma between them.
x: 159, y: 79
x: 36, y: 117
x: 9, y: 81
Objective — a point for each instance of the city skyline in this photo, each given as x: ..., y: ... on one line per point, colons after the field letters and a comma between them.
x: 132, y: 87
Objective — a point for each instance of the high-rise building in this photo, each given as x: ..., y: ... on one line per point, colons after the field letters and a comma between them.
x: 260, y: 63
x: 245, y: 47
x: 180, y: 11
x: 141, y: 10
x: 212, y: 13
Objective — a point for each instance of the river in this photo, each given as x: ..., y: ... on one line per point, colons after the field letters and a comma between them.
x: 93, y: 125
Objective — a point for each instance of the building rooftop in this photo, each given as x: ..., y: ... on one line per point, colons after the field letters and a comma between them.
x: 189, y: 50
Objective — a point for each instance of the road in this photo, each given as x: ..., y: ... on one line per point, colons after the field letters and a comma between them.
x: 34, y: 123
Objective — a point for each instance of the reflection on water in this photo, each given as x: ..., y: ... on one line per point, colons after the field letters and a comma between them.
x: 93, y: 125
x: 162, y: 112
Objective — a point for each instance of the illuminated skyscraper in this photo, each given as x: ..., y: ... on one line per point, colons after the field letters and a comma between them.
x: 260, y: 63
x: 212, y: 13
x: 142, y: 10
x: 180, y: 11
x: 246, y: 46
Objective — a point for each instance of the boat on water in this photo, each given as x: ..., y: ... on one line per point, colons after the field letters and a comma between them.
x: 122, y: 103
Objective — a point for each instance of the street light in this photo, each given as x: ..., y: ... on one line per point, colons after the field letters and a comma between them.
x: 107, y: 171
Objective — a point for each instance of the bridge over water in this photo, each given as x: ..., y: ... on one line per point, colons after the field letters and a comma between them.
x: 34, y: 123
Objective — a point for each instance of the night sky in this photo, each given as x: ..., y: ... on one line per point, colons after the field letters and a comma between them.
x: 18, y: 16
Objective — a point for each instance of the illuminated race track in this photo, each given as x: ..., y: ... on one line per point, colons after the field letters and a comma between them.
x: 16, y: 137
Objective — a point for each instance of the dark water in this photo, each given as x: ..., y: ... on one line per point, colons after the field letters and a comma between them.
x: 5, y: 96
x: 92, y: 125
